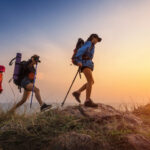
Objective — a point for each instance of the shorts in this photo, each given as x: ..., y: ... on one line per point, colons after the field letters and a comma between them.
x: 83, y: 67
x: 25, y: 82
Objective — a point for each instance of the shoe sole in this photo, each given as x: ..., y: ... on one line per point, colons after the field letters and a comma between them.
x: 47, y: 108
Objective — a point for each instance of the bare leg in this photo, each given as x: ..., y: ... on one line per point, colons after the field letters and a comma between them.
x: 90, y: 81
x: 36, y: 91
x: 26, y: 94
x: 82, y: 88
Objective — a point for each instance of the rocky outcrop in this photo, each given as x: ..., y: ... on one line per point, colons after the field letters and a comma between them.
x: 76, y: 128
x: 74, y: 141
x: 138, y: 142
x: 104, y: 113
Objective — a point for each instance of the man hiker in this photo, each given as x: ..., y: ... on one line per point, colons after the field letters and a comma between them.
x: 27, y: 84
x: 2, y: 69
x: 84, y: 58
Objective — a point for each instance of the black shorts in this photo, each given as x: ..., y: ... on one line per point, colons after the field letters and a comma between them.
x: 25, y: 82
x: 82, y: 68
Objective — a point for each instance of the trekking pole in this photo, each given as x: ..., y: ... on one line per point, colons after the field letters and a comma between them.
x: 78, y: 71
x: 33, y: 85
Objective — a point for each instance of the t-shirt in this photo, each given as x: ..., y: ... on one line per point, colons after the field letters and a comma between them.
x: 29, y: 71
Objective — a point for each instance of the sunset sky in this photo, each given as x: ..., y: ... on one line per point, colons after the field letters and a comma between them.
x: 50, y: 28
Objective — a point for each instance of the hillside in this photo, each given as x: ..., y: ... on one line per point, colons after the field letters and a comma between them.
x: 77, y: 128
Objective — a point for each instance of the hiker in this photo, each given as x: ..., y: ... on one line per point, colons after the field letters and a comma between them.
x: 83, y: 58
x: 27, y: 83
x: 2, y: 69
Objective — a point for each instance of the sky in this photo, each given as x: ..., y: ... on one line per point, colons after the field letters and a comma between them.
x: 50, y: 28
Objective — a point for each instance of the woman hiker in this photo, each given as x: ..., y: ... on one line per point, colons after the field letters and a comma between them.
x: 84, y: 58
x: 27, y: 84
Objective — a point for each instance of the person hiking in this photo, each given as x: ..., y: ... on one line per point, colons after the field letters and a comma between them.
x: 27, y: 84
x: 2, y: 70
x: 84, y: 58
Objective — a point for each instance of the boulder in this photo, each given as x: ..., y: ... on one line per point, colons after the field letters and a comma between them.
x: 75, y: 141
x: 138, y: 142
x: 102, y: 114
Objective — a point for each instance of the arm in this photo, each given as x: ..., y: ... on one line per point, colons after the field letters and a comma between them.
x: 81, y: 51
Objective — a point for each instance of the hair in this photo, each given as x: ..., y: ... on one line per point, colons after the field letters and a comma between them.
x: 34, y: 56
x: 90, y: 37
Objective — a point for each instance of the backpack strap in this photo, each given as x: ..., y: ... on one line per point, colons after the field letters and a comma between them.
x: 19, y: 87
x: 10, y: 80
x: 91, y: 47
x: 11, y: 62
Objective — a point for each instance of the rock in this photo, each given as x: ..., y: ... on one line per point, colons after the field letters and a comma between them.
x: 104, y: 128
x: 138, y: 142
x: 74, y: 141
x: 102, y: 114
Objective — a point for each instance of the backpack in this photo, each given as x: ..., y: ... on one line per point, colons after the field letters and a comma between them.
x: 79, y: 44
x: 17, y: 78
x: 19, y: 70
x: 2, y: 69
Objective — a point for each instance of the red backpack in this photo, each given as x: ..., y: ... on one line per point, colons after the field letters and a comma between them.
x: 2, y: 69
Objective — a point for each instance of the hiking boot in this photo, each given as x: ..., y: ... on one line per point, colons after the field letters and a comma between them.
x: 77, y: 96
x: 90, y: 103
x: 45, y: 107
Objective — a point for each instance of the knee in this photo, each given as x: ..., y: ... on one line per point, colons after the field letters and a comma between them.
x: 36, y: 90
x: 91, y: 82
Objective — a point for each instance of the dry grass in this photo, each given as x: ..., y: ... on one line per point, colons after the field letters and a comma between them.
x: 36, y: 131
x: 144, y: 113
